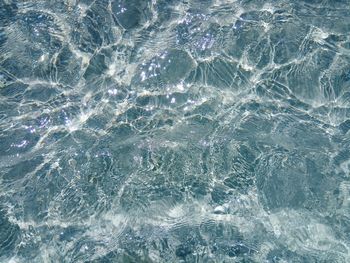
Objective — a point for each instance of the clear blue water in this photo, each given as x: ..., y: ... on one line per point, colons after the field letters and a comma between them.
x: 174, y: 131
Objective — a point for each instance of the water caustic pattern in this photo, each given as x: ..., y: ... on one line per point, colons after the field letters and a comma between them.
x: 174, y: 131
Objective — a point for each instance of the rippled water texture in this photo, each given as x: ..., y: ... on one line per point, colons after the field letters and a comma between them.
x: 174, y: 131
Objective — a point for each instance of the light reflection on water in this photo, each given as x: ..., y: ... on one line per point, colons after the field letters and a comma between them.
x: 174, y: 131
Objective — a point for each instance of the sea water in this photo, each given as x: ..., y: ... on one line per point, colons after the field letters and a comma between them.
x: 174, y: 131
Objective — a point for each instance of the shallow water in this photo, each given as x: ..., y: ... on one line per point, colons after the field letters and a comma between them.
x: 174, y: 131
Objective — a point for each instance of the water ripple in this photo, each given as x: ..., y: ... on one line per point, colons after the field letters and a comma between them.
x: 174, y: 131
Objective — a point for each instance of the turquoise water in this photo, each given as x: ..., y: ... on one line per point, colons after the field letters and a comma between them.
x: 174, y: 131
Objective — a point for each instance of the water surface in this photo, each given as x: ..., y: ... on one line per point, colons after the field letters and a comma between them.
x: 174, y: 131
